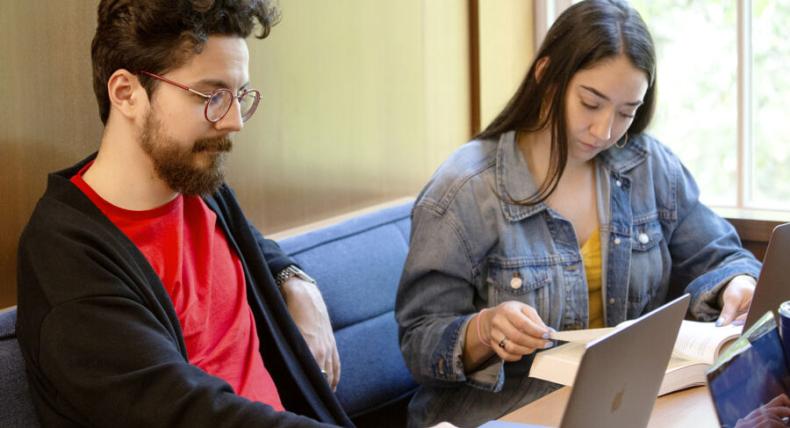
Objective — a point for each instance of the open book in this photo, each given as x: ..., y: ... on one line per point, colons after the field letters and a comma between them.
x: 697, y: 347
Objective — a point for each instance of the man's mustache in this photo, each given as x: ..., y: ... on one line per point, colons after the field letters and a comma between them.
x: 220, y: 144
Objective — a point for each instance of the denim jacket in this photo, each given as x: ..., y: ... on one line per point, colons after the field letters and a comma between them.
x: 467, y: 245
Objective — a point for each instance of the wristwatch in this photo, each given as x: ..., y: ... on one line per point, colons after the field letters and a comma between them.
x: 289, y: 272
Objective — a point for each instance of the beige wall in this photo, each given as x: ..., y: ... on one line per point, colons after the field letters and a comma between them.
x: 506, y: 49
x: 361, y: 101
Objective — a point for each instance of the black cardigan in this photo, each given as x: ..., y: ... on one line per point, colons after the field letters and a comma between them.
x: 101, y: 340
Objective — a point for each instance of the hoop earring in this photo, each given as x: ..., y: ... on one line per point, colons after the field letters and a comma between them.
x: 625, y: 142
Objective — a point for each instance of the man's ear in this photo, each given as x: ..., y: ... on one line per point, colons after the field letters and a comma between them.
x: 127, y: 95
x: 540, y: 67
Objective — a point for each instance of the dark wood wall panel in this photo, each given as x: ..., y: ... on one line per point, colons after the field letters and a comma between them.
x: 756, y: 232
x: 50, y: 118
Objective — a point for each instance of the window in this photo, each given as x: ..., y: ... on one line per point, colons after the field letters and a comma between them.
x: 771, y: 104
x: 724, y: 95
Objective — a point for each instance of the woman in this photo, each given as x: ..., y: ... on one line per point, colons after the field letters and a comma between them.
x: 562, y: 214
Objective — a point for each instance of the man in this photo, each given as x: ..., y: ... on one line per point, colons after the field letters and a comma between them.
x: 145, y: 296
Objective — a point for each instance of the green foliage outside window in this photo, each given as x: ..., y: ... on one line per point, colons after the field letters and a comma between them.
x: 697, y: 88
x: 697, y: 45
x: 771, y: 103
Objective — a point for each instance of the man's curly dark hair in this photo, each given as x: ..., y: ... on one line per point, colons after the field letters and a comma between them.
x: 160, y: 35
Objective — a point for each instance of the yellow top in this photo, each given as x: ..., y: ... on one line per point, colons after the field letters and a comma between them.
x: 591, y: 257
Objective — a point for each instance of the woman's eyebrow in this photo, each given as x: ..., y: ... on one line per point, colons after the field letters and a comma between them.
x: 599, y: 94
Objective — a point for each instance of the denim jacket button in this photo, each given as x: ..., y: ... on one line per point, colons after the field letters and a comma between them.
x: 616, y: 241
x: 618, y: 183
x: 643, y: 238
x: 516, y: 283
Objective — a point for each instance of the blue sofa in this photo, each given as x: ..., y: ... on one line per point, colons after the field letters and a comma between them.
x: 357, y: 264
x: 16, y: 407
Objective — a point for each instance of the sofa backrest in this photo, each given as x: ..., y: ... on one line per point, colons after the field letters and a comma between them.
x: 357, y: 264
x: 16, y: 407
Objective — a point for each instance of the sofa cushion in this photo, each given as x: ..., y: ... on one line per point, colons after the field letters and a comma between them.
x: 16, y: 407
x: 357, y: 264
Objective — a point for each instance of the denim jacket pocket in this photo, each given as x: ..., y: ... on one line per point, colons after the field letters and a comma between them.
x: 520, y: 280
x: 646, y: 265
x: 645, y: 236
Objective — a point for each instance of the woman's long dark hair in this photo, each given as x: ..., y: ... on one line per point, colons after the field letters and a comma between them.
x: 585, y: 34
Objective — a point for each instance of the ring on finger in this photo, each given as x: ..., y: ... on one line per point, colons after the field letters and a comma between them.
x: 503, y: 342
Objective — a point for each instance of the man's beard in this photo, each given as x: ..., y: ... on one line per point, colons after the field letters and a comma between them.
x: 179, y: 166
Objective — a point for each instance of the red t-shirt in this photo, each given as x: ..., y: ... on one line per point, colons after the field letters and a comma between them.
x: 205, y: 281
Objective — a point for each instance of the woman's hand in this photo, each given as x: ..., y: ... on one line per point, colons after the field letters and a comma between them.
x: 735, y: 300
x: 512, y: 330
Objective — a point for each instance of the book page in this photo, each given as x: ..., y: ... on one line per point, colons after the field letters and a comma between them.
x: 558, y: 365
x: 587, y: 335
x: 702, y: 341
x: 676, y: 362
x: 696, y: 348
x: 682, y: 373
x: 697, y: 342
x: 580, y: 336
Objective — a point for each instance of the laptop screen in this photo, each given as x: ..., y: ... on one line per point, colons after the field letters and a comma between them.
x: 773, y: 287
x: 620, y: 374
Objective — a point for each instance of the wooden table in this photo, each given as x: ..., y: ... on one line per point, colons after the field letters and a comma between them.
x: 691, y: 408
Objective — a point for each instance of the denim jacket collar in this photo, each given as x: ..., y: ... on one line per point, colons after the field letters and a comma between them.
x: 621, y: 160
x: 514, y: 179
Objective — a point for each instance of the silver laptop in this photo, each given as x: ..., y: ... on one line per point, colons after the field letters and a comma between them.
x: 772, y: 287
x: 620, y: 374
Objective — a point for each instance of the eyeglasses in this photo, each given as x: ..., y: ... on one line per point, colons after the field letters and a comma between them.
x: 219, y: 101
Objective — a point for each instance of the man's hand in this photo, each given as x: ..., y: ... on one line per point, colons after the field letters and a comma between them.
x: 772, y: 414
x: 735, y: 300
x: 308, y: 310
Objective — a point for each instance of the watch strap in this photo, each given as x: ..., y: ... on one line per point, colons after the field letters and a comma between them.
x: 290, y: 271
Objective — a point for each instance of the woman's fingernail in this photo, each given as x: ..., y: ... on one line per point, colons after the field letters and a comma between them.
x: 738, y: 322
x: 719, y: 322
x: 546, y: 335
x: 548, y: 345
